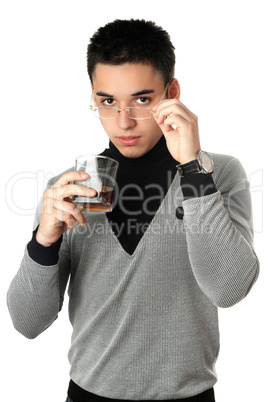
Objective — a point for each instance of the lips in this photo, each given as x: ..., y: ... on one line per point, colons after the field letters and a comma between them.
x: 131, y: 140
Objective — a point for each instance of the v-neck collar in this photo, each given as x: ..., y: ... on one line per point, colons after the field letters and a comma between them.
x: 162, y: 207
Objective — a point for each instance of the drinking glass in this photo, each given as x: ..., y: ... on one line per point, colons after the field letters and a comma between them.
x: 102, y: 178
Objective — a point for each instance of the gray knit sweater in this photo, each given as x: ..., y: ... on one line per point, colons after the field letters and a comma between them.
x: 145, y: 325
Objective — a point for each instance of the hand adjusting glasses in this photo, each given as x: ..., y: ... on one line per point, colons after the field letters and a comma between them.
x: 136, y: 113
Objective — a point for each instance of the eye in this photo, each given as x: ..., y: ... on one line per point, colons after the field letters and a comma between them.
x: 143, y: 100
x: 108, y: 102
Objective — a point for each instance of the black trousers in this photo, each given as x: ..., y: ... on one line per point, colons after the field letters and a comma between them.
x: 207, y: 396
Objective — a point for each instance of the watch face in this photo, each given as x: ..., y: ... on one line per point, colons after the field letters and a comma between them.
x: 206, y: 162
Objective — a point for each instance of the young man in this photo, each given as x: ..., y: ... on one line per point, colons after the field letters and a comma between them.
x: 146, y: 278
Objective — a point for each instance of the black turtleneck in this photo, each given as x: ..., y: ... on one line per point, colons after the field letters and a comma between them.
x: 142, y: 184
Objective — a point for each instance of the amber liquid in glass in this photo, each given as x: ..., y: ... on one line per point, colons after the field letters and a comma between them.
x: 103, y: 203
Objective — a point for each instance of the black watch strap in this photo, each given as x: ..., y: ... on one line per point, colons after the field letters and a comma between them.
x: 189, y: 167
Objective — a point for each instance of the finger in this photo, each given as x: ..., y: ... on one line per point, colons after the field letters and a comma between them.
x: 68, y: 177
x: 175, y: 120
x: 59, y: 208
x: 157, y: 109
x: 172, y: 110
x: 69, y: 209
x: 69, y: 190
x: 170, y: 102
x: 65, y: 220
x: 174, y: 106
x: 166, y: 128
x: 166, y: 122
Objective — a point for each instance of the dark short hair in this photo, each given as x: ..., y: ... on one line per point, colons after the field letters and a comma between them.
x: 132, y: 41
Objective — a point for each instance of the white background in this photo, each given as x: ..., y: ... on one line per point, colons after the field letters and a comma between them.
x: 222, y: 66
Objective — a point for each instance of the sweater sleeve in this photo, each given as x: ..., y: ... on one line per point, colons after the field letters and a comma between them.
x: 219, y: 234
x: 36, y: 293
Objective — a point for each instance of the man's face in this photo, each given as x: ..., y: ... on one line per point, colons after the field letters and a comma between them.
x: 125, y: 86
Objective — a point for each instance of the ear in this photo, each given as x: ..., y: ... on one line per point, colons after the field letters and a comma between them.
x: 174, y: 90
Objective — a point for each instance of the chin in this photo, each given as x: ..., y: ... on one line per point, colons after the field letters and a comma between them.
x: 132, y: 152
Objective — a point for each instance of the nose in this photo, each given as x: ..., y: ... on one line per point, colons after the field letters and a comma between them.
x: 124, y: 122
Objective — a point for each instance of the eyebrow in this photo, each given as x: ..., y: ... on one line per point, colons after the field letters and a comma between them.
x: 143, y: 92
x: 100, y: 93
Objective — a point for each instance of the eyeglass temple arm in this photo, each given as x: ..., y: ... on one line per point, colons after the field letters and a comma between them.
x: 164, y: 93
x: 91, y: 107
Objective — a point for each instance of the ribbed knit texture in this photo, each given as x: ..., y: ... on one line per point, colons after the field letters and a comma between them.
x: 145, y: 325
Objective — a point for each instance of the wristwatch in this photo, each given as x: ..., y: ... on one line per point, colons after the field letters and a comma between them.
x: 203, y: 163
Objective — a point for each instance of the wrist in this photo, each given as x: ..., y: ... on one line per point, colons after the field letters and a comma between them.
x: 188, y: 158
x: 43, y: 240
